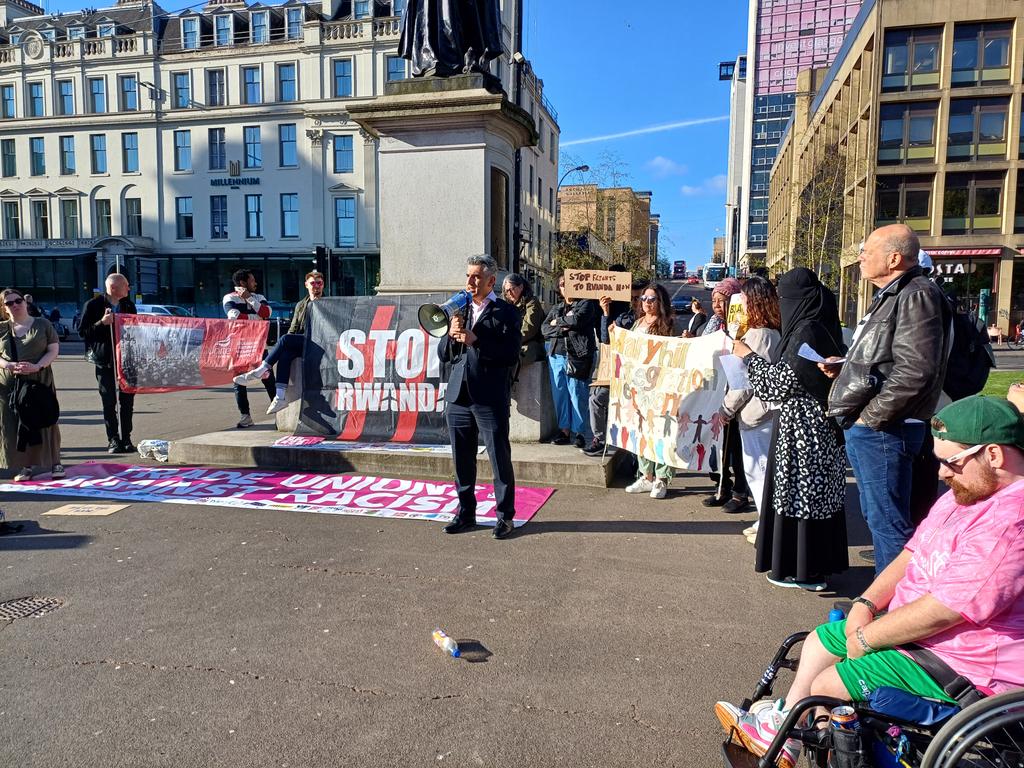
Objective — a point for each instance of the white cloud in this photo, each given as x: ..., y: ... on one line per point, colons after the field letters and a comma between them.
x: 663, y: 167
x: 649, y: 129
x: 713, y: 186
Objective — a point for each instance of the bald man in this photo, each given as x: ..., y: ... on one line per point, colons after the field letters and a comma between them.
x: 97, y: 329
x: 888, y: 388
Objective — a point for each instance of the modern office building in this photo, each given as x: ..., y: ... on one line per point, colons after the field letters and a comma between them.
x: 920, y: 108
x: 735, y: 72
x: 784, y: 37
x: 179, y: 147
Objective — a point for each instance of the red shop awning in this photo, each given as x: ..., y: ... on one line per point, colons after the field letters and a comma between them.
x: 955, y: 253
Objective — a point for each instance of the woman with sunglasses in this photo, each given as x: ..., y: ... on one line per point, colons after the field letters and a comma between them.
x: 519, y: 293
x: 28, y: 346
x: 655, y: 319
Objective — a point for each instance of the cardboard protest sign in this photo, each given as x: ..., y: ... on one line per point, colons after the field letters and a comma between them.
x: 595, y: 283
x: 604, y: 366
x: 736, y: 316
x: 664, y: 397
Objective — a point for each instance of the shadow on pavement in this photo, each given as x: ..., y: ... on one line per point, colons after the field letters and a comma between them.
x: 712, y: 527
x: 28, y: 534
x: 473, y: 651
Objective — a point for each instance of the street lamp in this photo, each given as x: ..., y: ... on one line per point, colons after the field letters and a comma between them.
x: 580, y: 168
x: 558, y: 202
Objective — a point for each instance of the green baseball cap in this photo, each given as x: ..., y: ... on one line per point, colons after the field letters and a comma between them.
x: 980, y: 420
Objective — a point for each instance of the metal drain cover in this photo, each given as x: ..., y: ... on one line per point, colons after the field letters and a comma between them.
x: 28, y: 607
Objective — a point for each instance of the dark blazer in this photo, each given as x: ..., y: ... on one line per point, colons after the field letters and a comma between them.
x: 485, y: 369
x: 98, y: 337
x: 696, y: 324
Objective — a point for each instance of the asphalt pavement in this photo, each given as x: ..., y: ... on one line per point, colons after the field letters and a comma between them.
x: 600, y: 635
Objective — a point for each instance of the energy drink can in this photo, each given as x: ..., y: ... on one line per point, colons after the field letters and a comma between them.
x: 845, y: 718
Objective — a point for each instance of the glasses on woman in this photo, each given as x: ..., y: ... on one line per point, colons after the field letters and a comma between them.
x: 648, y: 299
x: 13, y: 302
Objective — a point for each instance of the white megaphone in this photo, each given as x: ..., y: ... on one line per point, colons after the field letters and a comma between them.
x: 435, y: 319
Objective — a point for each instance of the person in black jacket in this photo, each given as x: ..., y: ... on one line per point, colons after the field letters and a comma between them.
x: 570, y: 331
x: 97, y: 329
x: 483, y: 348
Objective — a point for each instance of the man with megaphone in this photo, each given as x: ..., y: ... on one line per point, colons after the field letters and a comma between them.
x: 483, y: 347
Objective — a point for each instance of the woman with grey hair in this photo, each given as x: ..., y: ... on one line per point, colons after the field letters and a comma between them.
x: 518, y: 292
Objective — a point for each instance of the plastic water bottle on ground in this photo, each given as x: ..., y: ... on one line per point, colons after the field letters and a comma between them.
x: 445, y: 643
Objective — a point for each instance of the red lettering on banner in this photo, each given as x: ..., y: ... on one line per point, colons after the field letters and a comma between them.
x: 356, y: 420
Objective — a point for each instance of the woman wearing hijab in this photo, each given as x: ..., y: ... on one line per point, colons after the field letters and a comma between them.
x: 732, y: 494
x: 802, y: 535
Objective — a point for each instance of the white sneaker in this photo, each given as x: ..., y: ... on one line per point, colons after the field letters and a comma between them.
x: 750, y: 530
x: 277, y: 404
x: 254, y: 376
x: 659, y: 490
x: 642, y: 485
x: 245, y: 422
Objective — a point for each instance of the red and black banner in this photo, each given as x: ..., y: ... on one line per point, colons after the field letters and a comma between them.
x: 168, y: 354
x: 371, y: 374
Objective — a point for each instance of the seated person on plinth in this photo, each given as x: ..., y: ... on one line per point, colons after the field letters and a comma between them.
x: 288, y: 347
x: 957, y: 589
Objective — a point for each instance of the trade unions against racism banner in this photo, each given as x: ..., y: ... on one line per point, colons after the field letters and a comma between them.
x: 664, y: 397
x: 167, y: 354
x: 371, y: 373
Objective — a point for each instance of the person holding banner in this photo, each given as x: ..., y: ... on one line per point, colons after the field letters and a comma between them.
x: 288, y: 348
x: 483, y: 349
x: 655, y: 319
x: 802, y: 535
x: 741, y: 406
x: 97, y: 329
x: 244, y: 303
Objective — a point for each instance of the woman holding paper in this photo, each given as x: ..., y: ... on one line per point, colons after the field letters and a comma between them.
x: 656, y: 319
x: 802, y: 535
x: 741, y: 406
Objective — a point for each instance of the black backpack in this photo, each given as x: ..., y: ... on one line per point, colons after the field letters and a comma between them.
x: 970, y: 359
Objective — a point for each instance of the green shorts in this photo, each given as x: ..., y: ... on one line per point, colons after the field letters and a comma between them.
x: 883, y: 668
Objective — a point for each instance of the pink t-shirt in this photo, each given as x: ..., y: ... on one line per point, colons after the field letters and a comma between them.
x: 971, y: 559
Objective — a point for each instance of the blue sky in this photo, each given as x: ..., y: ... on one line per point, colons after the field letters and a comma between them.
x: 616, y: 66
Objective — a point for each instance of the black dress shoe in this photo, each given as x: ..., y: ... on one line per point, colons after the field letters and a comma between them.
x: 127, y: 447
x: 579, y: 442
x: 714, y: 501
x: 458, y: 525
x: 560, y: 439
x: 114, y: 445
x: 503, y: 529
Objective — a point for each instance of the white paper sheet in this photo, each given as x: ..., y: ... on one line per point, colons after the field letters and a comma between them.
x: 735, y: 371
x: 808, y: 353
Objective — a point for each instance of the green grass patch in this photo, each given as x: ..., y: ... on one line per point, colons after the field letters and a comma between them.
x: 999, y: 382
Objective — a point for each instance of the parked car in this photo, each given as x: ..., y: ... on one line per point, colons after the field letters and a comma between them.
x: 693, y: 281
x: 165, y: 310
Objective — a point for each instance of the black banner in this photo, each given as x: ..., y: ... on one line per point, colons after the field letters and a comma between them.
x: 371, y: 374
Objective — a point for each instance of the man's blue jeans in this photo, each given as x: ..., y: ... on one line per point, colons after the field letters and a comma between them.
x: 288, y: 348
x: 883, y: 464
x: 572, y: 398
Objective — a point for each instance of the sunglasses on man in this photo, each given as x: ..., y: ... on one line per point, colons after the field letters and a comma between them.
x: 955, y: 462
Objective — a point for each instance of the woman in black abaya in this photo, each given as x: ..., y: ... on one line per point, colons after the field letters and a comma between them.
x: 802, y: 536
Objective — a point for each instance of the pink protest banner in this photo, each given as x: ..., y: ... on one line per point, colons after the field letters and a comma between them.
x: 285, y: 491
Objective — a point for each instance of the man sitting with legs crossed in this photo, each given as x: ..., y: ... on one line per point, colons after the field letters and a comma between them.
x: 289, y: 347
x: 956, y: 589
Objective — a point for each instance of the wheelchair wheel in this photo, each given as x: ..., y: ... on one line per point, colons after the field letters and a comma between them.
x: 987, y: 734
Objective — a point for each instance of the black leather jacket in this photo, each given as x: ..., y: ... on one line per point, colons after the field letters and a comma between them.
x: 895, y: 369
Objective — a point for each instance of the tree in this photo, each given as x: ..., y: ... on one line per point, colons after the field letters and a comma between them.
x: 819, y: 221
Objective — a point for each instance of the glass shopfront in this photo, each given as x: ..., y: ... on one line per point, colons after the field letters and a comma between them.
x: 971, y: 281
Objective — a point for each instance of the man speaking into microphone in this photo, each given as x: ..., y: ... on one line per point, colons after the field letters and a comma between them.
x: 483, y: 347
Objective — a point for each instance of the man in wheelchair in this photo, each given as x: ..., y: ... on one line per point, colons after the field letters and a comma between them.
x: 956, y: 591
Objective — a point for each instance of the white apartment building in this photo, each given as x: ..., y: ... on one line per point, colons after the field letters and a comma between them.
x: 181, y: 147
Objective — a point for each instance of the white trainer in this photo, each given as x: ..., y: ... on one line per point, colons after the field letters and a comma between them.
x: 277, y: 404
x: 245, y: 422
x: 642, y: 485
x: 659, y: 490
x: 255, y: 376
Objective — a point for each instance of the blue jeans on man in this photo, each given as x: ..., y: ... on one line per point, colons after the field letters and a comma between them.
x: 883, y: 462
x: 572, y: 399
x: 284, y: 353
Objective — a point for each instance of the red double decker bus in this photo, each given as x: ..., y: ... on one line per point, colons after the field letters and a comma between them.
x: 679, y: 270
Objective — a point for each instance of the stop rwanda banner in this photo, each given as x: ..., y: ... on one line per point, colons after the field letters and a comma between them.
x: 167, y: 354
x: 371, y: 374
x: 664, y: 396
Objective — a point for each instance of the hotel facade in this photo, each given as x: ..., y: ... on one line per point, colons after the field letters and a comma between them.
x: 181, y: 147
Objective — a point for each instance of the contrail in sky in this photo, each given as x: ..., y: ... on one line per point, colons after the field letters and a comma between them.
x: 649, y: 129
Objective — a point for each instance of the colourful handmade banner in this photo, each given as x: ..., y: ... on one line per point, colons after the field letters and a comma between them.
x: 158, y: 353
x: 664, y: 396
x: 285, y: 491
